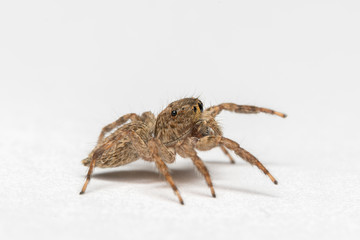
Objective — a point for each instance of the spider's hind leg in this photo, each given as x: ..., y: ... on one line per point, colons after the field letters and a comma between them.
x: 94, y: 157
x: 121, y: 120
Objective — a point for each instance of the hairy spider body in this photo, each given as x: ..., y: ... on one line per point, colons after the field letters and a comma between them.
x: 118, y: 148
x: 181, y: 128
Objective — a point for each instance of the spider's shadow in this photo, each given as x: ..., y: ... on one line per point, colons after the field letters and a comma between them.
x: 141, y: 175
x: 185, y: 175
x: 146, y: 176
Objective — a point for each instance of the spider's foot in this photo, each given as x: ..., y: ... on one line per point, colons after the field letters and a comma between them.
x: 212, y: 191
x: 272, y: 178
x: 179, y: 196
x: 283, y: 115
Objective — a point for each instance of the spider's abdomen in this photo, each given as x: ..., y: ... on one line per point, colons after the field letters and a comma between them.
x: 117, y: 149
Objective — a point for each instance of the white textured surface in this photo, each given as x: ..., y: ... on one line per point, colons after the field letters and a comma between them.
x: 70, y: 67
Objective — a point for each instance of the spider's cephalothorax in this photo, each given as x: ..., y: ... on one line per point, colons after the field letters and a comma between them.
x: 177, y: 120
x: 181, y: 128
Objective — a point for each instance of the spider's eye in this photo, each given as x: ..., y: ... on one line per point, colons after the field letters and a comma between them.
x: 200, y: 106
x: 194, y: 109
x: 173, y: 113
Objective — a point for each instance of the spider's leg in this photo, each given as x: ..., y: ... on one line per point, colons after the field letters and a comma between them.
x: 209, y: 142
x: 153, y: 148
x: 94, y: 157
x: 203, y: 130
x: 187, y: 150
x: 152, y: 152
x: 227, y: 154
x: 143, y: 149
x: 215, y: 110
x: 117, y: 123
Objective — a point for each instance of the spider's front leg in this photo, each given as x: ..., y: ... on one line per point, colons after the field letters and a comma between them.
x: 232, y: 161
x: 186, y: 149
x: 154, y: 146
x: 209, y: 142
x: 215, y: 110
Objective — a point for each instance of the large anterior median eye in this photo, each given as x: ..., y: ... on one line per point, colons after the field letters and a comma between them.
x: 200, y: 106
x: 173, y: 113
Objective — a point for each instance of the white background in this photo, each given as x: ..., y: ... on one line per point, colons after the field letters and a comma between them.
x: 67, y: 68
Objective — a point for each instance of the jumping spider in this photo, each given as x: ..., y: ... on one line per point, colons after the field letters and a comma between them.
x: 180, y: 128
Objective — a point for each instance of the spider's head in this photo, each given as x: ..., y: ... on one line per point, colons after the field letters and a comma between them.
x: 177, y: 120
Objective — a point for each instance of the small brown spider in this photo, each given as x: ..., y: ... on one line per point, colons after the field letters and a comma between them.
x: 180, y: 128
